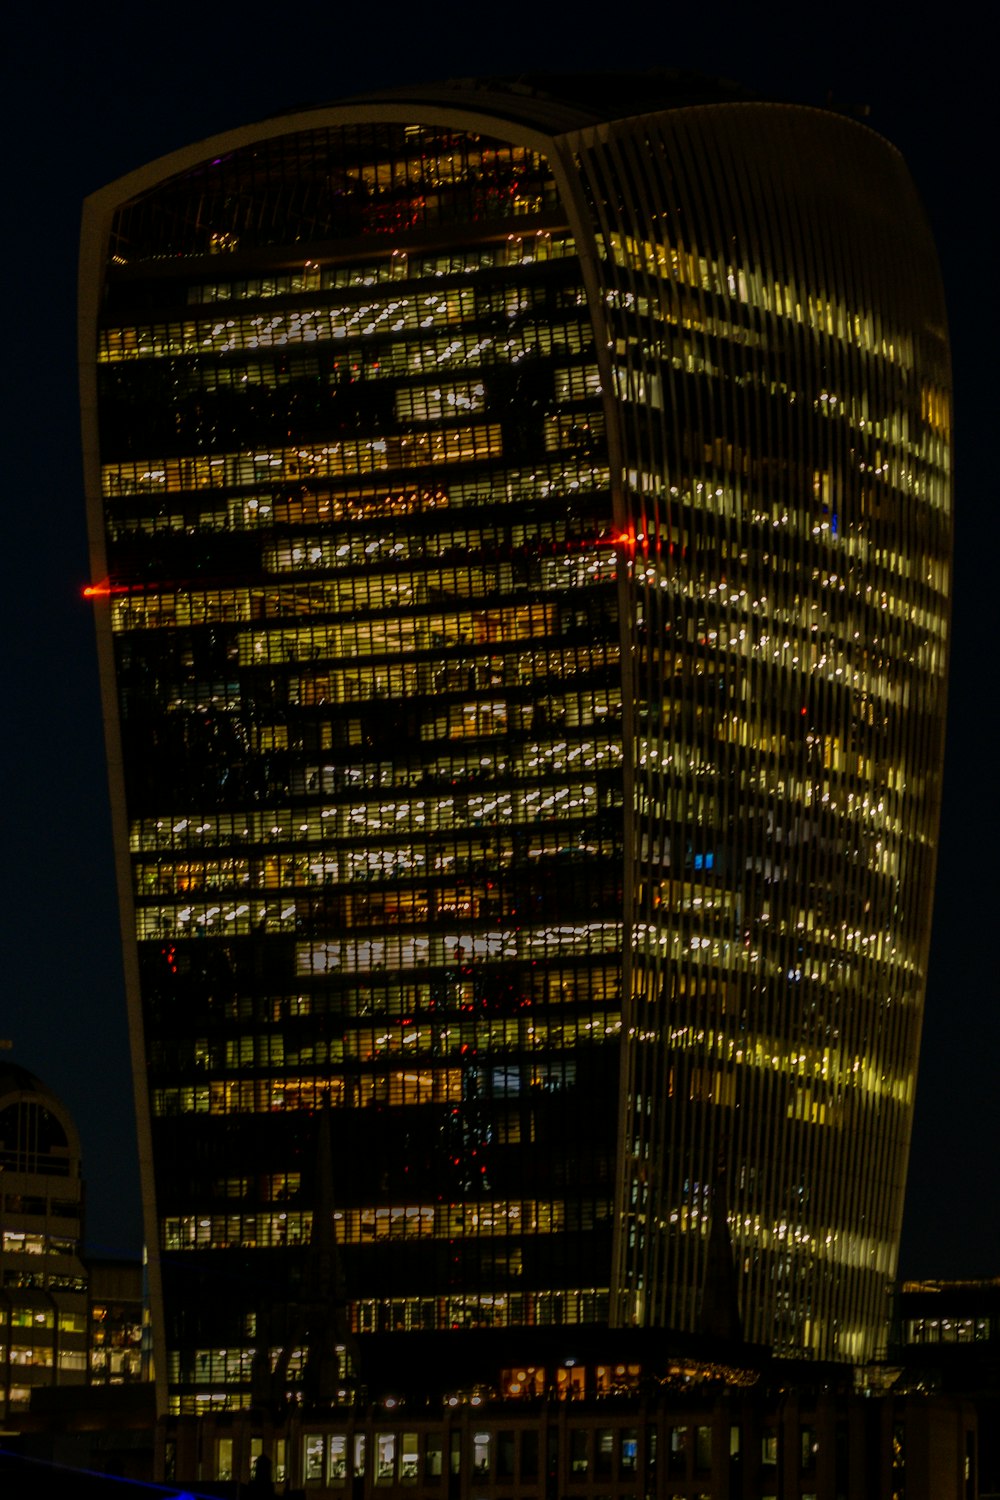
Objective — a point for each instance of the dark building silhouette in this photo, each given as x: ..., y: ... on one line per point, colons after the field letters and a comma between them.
x: 521, y: 531
x: 947, y: 1338
x: 816, y: 1440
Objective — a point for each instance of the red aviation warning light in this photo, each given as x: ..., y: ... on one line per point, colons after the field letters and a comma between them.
x: 101, y: 590
x: 624, y: 539
x: 159, y: 586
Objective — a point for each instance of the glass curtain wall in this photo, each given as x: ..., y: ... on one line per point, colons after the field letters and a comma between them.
x: 779, y: 358
x: 362, y: 584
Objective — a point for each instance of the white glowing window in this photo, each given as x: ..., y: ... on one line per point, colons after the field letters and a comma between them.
x: 385, y: 1460
x: 337, y: 1459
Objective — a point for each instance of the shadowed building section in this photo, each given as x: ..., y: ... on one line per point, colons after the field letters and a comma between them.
x: 319, y: 1326
x: 521, y: 539
x: 720, y: 1307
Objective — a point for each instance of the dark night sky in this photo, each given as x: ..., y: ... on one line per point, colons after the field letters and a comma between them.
x: 88, y: 94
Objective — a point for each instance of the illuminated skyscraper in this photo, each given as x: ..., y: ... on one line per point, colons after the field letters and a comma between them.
x: 520, y: 524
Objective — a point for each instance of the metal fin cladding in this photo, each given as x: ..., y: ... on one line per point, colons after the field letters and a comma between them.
x: 775, y: 329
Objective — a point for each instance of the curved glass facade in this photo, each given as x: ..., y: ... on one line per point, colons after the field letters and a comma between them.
x: 523, y: 580
x: 778, y: 356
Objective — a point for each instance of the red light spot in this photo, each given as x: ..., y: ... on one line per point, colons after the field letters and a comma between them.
x: 624, y: 539
x: 100, y: 590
